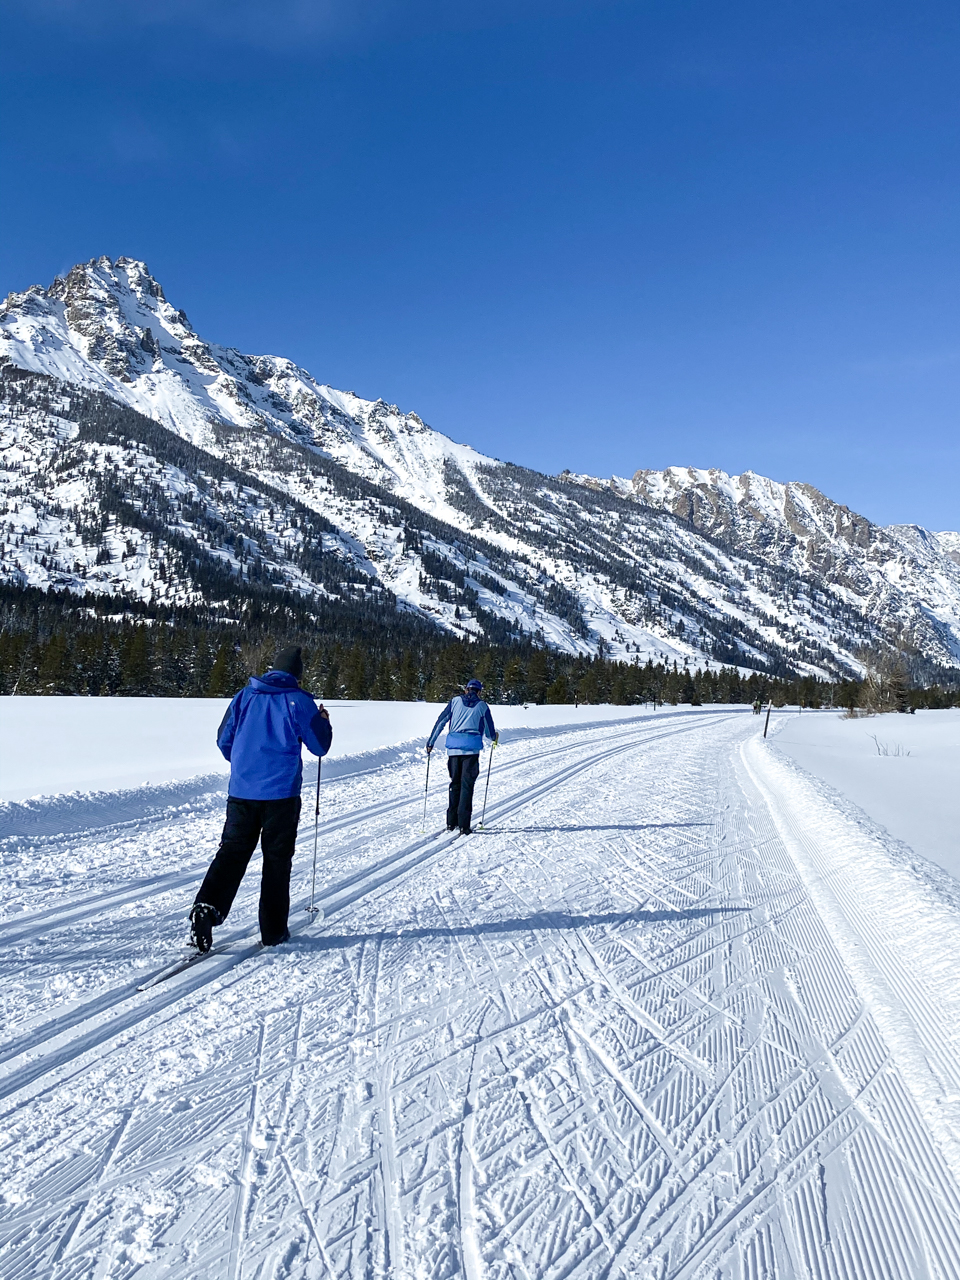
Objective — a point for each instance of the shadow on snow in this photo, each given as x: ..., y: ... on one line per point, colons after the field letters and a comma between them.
x: 541, y: 920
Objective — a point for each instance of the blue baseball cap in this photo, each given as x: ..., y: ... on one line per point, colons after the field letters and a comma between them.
x: 474, y: 684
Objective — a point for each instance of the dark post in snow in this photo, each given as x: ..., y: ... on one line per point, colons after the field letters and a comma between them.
x: 766, y: 723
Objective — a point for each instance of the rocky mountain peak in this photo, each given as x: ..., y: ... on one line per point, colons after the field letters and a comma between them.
x: 108, y: 325
x: 123, y: 290
x: 726, y: 506
x: 678, y: 564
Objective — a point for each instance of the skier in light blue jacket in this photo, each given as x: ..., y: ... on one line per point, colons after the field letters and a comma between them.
x: 470, y: 721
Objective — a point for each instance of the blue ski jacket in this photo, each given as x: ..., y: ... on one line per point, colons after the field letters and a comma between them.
x: 469, y: 718
x: 261, y: 735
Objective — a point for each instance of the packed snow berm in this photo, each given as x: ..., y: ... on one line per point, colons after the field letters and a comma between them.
x: 681, y: 1010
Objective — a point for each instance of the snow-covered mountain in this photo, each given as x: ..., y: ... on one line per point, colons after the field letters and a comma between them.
x: 226, y: 469
x: 902, y: 576
x: 107, y: 326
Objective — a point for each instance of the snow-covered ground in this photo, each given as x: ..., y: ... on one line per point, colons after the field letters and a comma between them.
x: 904, y: 771
x: 52, y: 745
x: 681, y: 1010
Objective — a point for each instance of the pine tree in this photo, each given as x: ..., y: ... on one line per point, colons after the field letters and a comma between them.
x: 539, y: 676
x: 355, y: 674
x: 136, y: 670
x: 384, y: 685
x: 559, y: 691
x: 227, y: 675
x: 408, y: 684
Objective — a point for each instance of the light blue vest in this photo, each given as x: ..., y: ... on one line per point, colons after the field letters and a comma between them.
x: 468, y: 723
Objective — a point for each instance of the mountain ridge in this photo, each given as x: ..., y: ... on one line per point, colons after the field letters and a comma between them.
x: 684, y: 564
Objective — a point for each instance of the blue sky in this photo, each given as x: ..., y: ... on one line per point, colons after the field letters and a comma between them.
x: 599, y: 236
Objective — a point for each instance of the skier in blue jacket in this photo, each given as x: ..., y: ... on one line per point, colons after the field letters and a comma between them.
x: 470, y: 720
x: 261, y: 735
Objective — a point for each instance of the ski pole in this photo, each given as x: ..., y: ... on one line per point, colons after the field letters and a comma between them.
x: 486, y: 789
x: 766, y: 723
x: 423, y: 825
x: 312, y: 910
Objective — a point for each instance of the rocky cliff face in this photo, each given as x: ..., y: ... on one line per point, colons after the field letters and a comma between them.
x: 750, y: 510
x: 682, y: 564
x: 899, y: 575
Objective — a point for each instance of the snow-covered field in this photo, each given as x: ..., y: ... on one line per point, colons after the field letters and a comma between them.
x: 52, y: 745
x: 681, y: 1010
x: 904, y: 771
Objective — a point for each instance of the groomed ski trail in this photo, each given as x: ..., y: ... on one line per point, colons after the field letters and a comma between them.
x: 610, y: 1036
x: 88, y: 1025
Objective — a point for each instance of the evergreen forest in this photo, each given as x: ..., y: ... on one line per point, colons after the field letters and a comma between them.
x: 55, y: 643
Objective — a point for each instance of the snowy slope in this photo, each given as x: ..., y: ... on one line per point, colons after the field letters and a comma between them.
x: 101, y: 499
x: 679, y: 565
x: 107, y: 325
x: 951, y: 544
x: 116, y: 506
x: 658, y: 1021
x: 902, y: 576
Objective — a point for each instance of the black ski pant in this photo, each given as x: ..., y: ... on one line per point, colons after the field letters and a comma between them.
x: 464, y: 771
x: 274, y: 823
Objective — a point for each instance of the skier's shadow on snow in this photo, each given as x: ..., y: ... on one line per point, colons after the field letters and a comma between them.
x: 620, y: 826
x: 541, y: 920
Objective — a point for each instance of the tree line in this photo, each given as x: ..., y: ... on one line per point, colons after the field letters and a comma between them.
x: 49, y: 645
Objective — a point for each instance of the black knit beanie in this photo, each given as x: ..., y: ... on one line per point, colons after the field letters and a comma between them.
x: 291, y: 661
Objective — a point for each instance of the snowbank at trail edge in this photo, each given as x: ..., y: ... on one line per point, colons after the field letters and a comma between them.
x: 894, y: 918
x: 53, y: 745
x: 916, y: 797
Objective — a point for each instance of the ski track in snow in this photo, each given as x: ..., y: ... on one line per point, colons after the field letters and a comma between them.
x: 612, y: 1035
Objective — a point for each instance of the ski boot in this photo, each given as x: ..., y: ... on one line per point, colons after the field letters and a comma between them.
x: 276, y: 942
x: 202, y: 919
